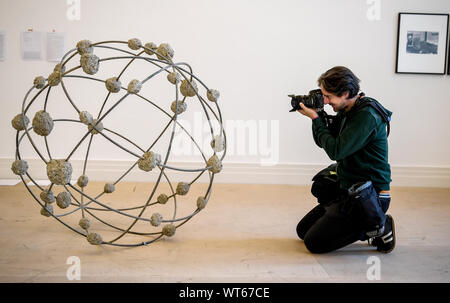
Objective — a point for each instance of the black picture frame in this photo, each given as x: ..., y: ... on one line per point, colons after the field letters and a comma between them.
x: 422, y: 43
x: 448, y: 55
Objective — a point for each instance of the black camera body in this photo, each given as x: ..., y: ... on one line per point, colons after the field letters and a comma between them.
x: 313, y: 100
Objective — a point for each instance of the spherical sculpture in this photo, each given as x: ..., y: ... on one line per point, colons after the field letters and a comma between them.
x: 94, y: 211
x: 85, y: 223
x: 63, y: 199
x: 156, y: 219
x: 149, y: 161
x: 83, y: 181
x: 188, y: 88
x: 20, y: 122
x: 89, y: 63
x: 134, y: 44
x: 95, y: 127
x: 109, y: 188
x: 183, y: 188
x: 164, y: 52
x: 94, y: 239
x: 42, y: 123
x: 162, y: 199
x: 178, y: 107
x: 19, y: 167
x: 201, y: 202
x: 54, y: 78
x: 39, y: 82
x: 150, y: 48
x: 113, y: 85
x: 174, y: 77
x: 84, y: 46
x: 47, y: 211
x: 134, y: 86
x: 218, y: 144
x: 47, y: 196
x: 169, y: 230
x: 213, y: 95
x: 86, y: 118
x: 59, y: 172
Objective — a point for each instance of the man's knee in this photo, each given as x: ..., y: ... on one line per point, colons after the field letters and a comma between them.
x: 301, y: 230
x: 315, y: 245
x: 309, y: 220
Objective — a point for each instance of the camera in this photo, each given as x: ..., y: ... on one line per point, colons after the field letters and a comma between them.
x: 313, y: 100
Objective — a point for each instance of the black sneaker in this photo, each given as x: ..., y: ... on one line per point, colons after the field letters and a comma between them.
x: 386, y: 242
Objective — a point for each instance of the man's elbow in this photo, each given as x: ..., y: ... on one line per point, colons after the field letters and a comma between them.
x: 335, y: 156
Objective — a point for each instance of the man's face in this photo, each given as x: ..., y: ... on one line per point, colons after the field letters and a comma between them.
x: 337, y: 103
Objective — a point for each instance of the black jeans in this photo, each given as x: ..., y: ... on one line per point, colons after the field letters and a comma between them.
x: 326, y: 228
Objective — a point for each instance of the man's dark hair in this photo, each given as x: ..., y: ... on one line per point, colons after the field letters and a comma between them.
x: 339, y: 80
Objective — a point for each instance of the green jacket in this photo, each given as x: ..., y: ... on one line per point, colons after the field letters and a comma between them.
x: 360, y: 147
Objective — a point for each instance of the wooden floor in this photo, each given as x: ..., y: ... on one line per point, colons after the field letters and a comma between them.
x: 246, y: 233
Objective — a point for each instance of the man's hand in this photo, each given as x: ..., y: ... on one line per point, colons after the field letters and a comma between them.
x: 309, y: 112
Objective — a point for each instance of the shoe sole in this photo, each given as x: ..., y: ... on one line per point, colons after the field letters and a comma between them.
x: 393, y: 236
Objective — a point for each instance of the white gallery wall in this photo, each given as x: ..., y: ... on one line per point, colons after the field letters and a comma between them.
x: 255, y: 53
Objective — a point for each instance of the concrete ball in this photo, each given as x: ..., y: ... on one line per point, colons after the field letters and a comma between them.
x: 84, y: 47
x: 113, y: 85
x: 83, y: 181
x: 94, y: 239
x: 47, y: 211
x: 201, y: 202
x: 150, y: 48
x: 162, y: 199
x: 47, y: 196
x: 134, y: 43
x: 86, y: 117
x: 59, y: 172
x: 19, y: 167
x: 218, y: 144
x: 109, y: 188
x: 188, y: 89
x: 213, y: 95
x: 182, y: 188
x: 63, y: 199
x: 59, y: 68
x: 156, y: 219
x: 214, y: 164
x: 182, y: 107
x: 149, y: 161
x: 89, y: 63
x: 164, y: 52
x: 54, y: 78
x: 42, y: 123
x: 20, y: 122
x: 169, y: 230
x: 39, y: 82
x: 174, y: 77
x: 84, y: 223
x: 134, y: 86
x: 98, y: 127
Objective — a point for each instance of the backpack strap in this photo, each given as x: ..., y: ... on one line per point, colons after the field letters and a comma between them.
x: 365, y: 101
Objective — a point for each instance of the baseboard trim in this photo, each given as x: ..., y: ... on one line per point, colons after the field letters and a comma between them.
x: 251, y: 173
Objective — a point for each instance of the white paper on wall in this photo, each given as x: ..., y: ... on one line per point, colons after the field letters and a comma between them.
x: 2, y: 45
x: 56, y: 46
x: 32, y: 45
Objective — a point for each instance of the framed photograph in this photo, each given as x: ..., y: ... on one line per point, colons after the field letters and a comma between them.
x: 422, y: 43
